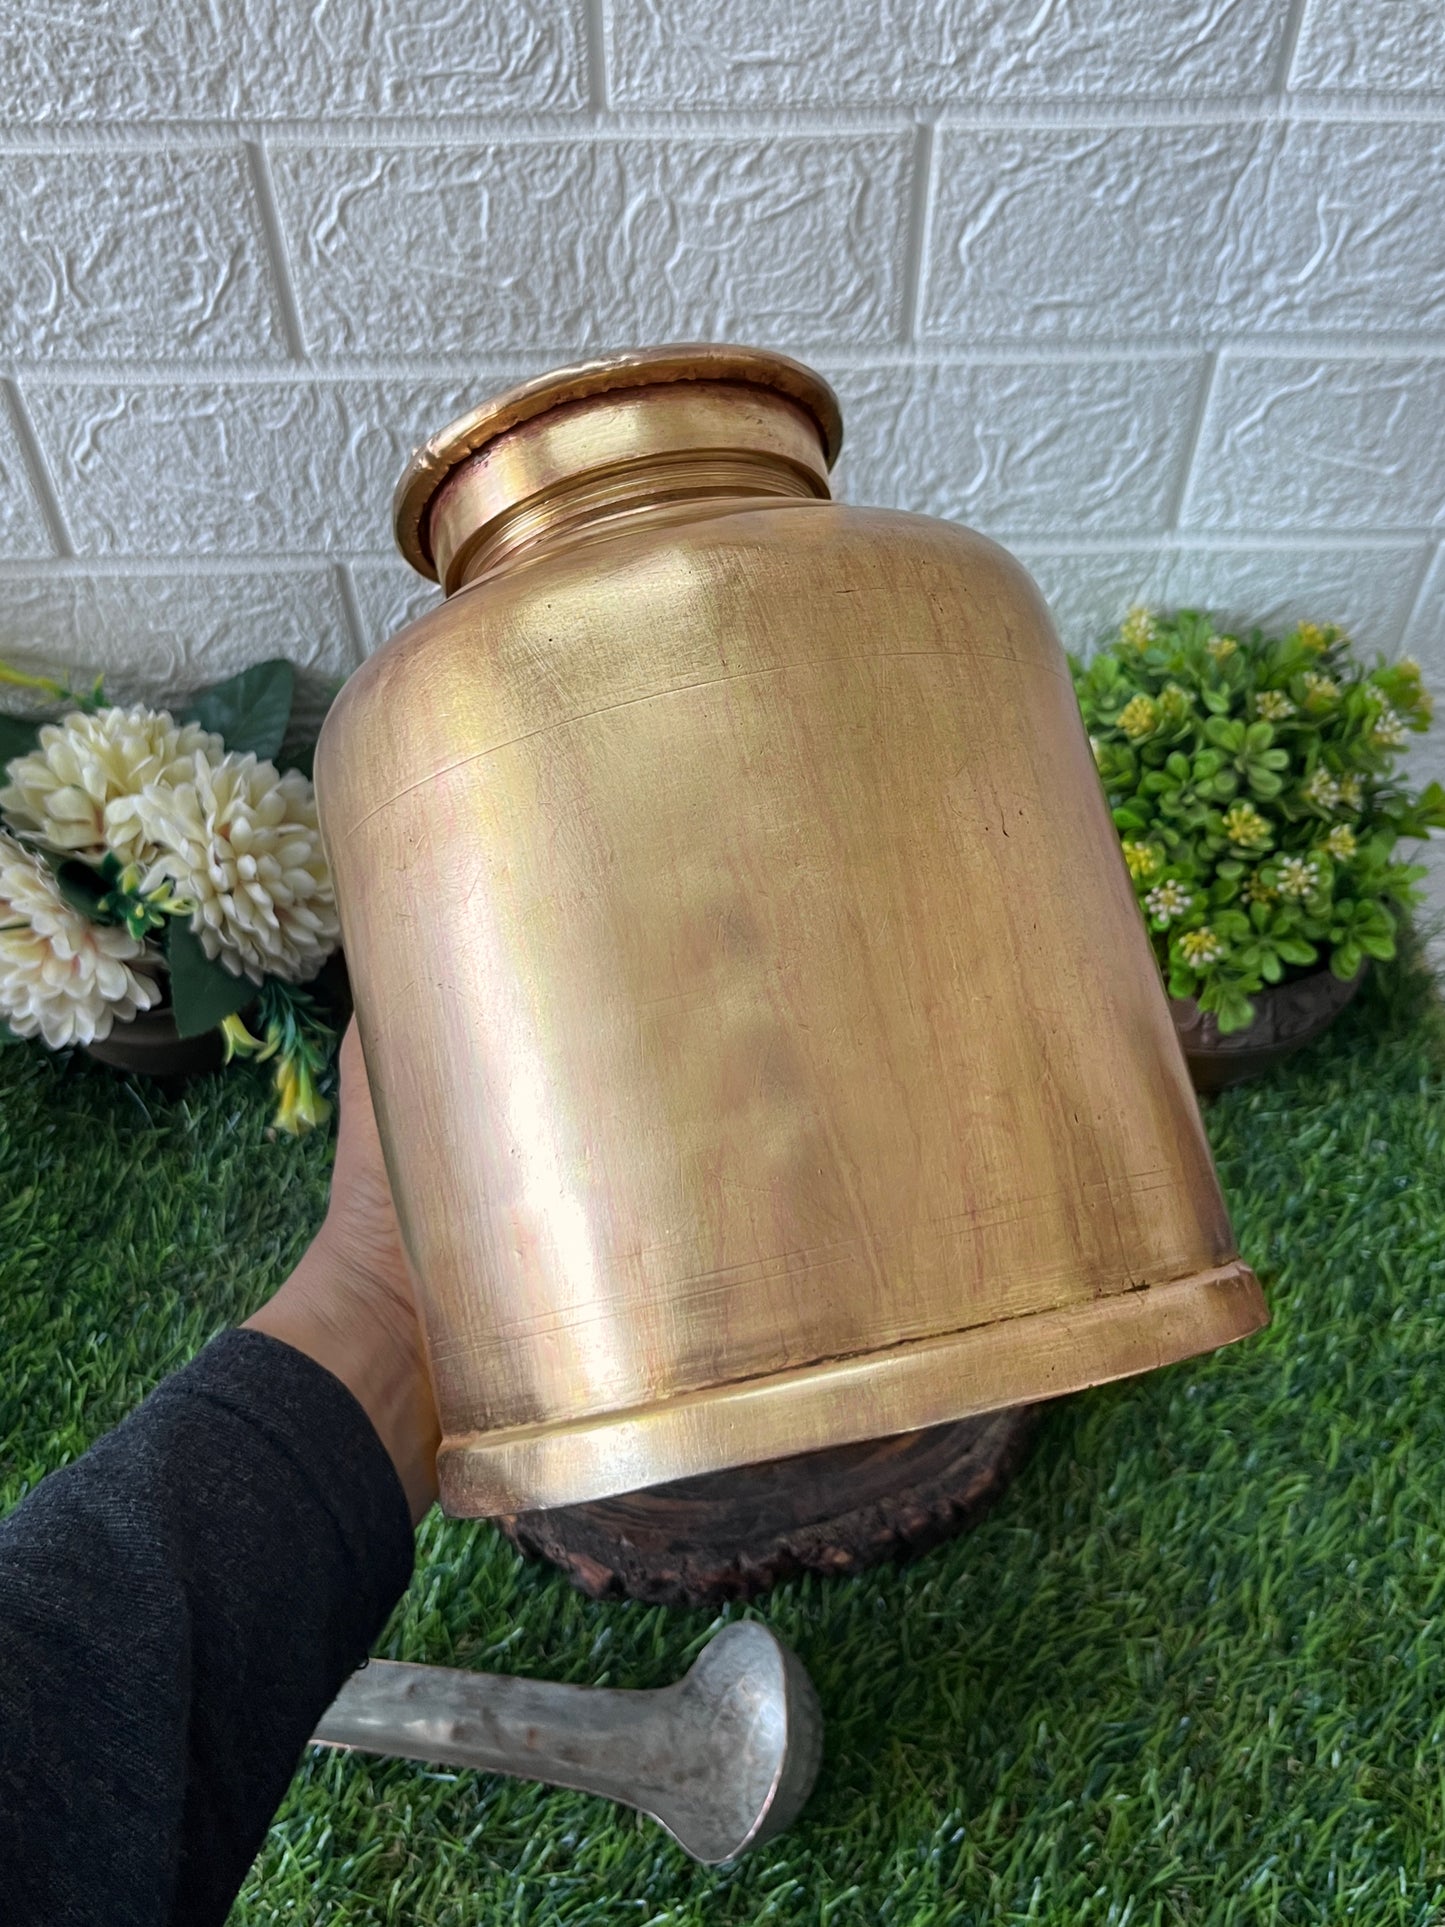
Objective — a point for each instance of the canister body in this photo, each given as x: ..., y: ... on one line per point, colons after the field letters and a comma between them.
x: 765, y: 1043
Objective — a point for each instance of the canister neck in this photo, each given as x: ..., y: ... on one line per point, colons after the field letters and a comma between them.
x: 643, y: 452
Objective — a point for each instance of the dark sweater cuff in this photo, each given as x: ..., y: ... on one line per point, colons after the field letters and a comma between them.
x: 177, y: 1609
x: 307, y: 1417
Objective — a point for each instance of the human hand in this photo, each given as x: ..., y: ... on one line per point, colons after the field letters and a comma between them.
x: 360, y: 1229
x: 349, y: 1303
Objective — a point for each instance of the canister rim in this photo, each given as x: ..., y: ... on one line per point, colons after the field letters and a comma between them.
x: 437, y: 458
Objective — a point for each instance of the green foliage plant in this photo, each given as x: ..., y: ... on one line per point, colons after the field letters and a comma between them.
x: 1253, y: 781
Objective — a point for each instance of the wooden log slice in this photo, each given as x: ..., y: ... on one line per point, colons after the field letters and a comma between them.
x: 732, y: 1535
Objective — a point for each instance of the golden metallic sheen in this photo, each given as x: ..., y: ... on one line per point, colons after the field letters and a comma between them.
x: 766, y: 1046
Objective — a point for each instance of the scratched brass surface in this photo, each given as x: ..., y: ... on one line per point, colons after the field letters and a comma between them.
x: 765, y: 1042
x: 689, y: 362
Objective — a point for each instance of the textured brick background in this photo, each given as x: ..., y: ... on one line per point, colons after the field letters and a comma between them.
x: 1155, y: 293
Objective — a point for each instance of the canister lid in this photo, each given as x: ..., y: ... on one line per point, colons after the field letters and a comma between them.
x: 436, y: 459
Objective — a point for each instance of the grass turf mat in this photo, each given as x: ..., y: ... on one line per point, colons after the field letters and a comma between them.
x: 1191, y: 1670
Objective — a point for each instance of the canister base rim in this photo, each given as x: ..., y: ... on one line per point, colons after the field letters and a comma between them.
x: 926, y: 1382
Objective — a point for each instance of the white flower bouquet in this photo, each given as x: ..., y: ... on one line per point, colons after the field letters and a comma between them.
x: 150, y: 860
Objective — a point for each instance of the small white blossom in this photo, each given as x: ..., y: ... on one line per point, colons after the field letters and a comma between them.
x: 1200, y: 947
x: 1297, y: 877
x: 1168, y: 900
x: 1321, y: 790
x: 79, y: 790
x: 1388, y: 729
x: 1138, y: 629
x: 63, y: 977
x: 240, y: 843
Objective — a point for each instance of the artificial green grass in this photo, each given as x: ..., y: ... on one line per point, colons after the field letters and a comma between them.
x: 1191, y: 1670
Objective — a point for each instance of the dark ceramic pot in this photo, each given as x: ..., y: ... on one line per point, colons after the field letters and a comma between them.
x: 151, y: 1044
x: 1286, y: 1019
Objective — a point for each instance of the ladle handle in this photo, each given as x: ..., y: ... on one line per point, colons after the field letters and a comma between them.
x: 592, y: 1739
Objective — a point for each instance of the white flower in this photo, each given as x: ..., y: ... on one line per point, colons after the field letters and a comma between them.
x: 1201, y: 947
x: 79, y: 790
x: 61, y: 976
x: 1389, y: 729
x: 1168, y: 900
x: 1321, y: 789
x: 240, y: 843
x: 1296, y: 877
x: 1138, y: 629
x: 1274, y: 705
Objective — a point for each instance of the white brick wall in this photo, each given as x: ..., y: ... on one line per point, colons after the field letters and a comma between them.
x: 1154, y: 293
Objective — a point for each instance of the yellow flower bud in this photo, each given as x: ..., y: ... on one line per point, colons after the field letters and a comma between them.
x: 1139, y: 717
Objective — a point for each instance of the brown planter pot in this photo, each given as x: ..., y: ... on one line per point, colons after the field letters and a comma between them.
x: 1286, y: 1019
x: 151, y: 1045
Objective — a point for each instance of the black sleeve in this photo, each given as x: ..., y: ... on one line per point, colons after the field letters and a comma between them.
x: 177, y: 1609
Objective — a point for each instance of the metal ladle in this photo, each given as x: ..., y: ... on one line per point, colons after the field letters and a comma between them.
x: 723, y: 1759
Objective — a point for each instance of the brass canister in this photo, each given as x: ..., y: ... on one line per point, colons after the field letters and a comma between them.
x: 766, y: 1045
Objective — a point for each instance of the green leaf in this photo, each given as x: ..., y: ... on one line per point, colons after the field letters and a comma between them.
x: 82, y: 888
x: 18, y: 736
x: 304, y: 760
x: 1295, y: 951
x: 1232, y: 1010
x: 1374, y: 918
x: 202, y: 992
x: 1346, y: 961
x: 249, y: 711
